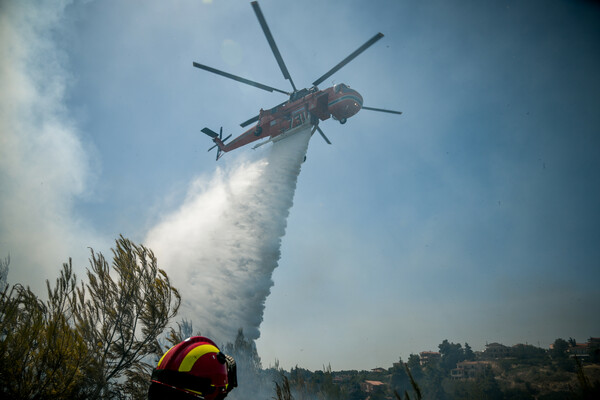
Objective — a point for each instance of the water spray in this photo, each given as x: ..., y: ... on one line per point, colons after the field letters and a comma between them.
x: 221, y: 246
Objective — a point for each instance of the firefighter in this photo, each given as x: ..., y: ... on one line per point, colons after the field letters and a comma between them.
x: 193, y: 369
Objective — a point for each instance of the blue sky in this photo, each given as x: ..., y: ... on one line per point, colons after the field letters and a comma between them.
x: 472, y: 217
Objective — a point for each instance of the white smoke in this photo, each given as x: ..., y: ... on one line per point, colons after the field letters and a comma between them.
x: 43, y: 164
x: 221, y: 246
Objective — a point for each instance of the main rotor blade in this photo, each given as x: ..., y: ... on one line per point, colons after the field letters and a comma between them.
x: 250, y: 121
x: 239, y: 79
x: 323, y: 135
x: 381, y: 110
x: 267, y: 31
x: 348, y: 59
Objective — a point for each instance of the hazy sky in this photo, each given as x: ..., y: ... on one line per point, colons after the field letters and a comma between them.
x: 473, y: 217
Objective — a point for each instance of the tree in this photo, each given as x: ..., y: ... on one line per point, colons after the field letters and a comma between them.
x: 432, y: 386
x: 559, y: 349
x: 244, y: 352
x: 249, y: 372
x: 328, y: 389
x: 400, y: 381
x: 120, y: 319
x: 41, y: 354
x: 302, y: 382
x: 413, y: 383
x: 469, y: 355
x: 86, y: 341
x: 452, y: 353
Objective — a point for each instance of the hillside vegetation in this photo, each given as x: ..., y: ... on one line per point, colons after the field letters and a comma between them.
x: 100, y: 337
x: 519, y: 372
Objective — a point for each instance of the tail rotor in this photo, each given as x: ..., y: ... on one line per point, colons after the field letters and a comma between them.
x: 217, y: 138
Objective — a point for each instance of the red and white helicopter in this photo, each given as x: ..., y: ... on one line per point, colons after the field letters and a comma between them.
x: 304, y: 107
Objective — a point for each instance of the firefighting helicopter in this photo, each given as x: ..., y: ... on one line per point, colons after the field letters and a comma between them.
x: 304, y: 107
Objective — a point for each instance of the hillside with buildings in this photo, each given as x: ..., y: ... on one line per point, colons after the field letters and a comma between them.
x: 567, y: 369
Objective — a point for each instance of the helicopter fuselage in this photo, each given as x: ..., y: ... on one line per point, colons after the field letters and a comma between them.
x: 339, y: 102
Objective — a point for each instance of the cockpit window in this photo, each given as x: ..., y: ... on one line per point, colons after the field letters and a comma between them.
x: 341, y: 87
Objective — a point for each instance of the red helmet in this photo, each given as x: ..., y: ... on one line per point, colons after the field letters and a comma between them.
x: 195, y: 367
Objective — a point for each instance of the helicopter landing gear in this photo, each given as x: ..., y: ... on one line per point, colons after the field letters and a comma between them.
x: 343, y: 121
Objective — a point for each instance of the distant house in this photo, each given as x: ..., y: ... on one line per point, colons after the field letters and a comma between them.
x: 496, y: 350
x: 469, y: 369
x: 580, y: 350
x: 429, y: 357
x: 370, y: 386
x: 583, y: 350
x: 379, y: 370
x: 593, y: 344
